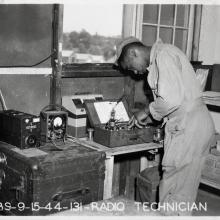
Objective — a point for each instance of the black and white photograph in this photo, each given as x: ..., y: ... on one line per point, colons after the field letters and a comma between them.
x: 109, y: 108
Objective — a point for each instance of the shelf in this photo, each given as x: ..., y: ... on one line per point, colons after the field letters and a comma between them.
x: 210, y: 183
x: 211, y: 98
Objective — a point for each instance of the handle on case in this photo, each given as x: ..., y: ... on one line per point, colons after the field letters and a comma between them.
x: 70, y: 194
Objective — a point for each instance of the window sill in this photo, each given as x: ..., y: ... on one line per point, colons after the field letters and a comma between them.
x: 88, y: 70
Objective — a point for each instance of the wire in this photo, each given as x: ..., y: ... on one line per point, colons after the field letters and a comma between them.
x: 82, y: 143
x: 4, y: 107
x: 74, y: 139
x: 36, y: 64
x: 54, y: 144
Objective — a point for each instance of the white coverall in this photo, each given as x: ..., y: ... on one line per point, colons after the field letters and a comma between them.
x: 189, y: 127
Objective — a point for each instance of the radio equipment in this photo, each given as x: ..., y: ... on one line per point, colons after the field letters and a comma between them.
x: 109, y: 118
x: 19, y: 129
x: 77, y: 116
x: 53, y: 125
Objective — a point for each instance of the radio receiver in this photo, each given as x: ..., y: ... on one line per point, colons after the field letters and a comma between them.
x: 20, y: 129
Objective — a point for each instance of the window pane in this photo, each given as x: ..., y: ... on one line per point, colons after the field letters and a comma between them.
x: 181, y: 39
x: 149, y: 35
x: 182, y: 17
x: 166, y: 35
x: 167, y: 14
x: 150, y: 14
x: 91, y: 32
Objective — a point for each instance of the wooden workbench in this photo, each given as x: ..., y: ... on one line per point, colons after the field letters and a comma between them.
x: 112, y: 152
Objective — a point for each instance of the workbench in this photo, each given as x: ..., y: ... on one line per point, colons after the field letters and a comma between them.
x: 112, y: 152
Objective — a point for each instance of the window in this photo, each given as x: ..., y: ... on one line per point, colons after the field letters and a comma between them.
x: 172, y: 23
x: 90, y: 32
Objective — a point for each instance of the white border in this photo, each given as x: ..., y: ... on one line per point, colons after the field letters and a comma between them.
x: 207, y: 2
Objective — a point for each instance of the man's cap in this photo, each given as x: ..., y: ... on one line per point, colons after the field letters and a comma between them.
x: 122, y: 44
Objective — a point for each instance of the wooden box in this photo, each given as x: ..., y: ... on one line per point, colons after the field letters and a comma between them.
x: 116, y: 138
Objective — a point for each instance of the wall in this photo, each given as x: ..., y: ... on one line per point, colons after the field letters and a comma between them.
x: 28, y: 93
x: 209, y: 45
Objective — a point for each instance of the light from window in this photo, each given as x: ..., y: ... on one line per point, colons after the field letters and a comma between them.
x: 90, y: 32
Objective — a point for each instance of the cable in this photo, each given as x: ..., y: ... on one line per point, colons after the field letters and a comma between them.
x: 36, y: 64
x: 82, y: 143
x: 4, y: 107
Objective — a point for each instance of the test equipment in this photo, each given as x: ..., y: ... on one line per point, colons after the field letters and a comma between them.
x: 20, y: 129
x: 53, y: 124
x: 77, y: 116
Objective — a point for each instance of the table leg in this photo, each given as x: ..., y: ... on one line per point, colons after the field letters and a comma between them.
x: 109, y: 166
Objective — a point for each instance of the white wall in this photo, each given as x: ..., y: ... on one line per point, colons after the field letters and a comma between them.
x: 209, y: 45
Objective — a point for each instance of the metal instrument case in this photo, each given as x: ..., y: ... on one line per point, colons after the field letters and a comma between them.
x: 117, y: 138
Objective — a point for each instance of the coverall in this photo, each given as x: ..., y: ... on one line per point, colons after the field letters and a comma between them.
x: 189, y: 127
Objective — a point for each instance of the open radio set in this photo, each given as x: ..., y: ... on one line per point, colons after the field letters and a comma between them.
x: 108, y: 118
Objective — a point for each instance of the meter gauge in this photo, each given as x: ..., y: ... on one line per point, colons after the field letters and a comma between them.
x: 57, y: 122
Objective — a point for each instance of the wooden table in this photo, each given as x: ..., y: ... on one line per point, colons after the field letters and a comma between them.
x: 111, y: 152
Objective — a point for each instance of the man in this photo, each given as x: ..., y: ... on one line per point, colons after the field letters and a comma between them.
x: 177, y: 101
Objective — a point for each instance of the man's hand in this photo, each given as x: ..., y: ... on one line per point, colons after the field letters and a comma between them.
x: 139, y: 119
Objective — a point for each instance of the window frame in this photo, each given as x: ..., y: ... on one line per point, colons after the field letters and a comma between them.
x: 88, y: 70
x: 139, y: 10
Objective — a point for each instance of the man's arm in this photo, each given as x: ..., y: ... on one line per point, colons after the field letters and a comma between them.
x: 140, y: 118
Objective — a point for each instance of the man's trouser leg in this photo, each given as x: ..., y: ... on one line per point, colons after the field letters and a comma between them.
x: 186, y: 146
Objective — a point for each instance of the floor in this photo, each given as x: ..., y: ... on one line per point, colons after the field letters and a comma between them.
x: 212, y: 197
x: 109, y: 207
x: 114, y: 206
